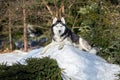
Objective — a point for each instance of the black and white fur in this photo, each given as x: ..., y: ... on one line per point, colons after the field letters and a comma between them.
x: 62, y: 35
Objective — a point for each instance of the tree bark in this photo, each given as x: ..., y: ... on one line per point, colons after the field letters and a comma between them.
x: 25, y: 28
x: 10, y: 32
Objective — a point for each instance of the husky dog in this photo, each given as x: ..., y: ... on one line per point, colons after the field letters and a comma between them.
x: 62, y: 35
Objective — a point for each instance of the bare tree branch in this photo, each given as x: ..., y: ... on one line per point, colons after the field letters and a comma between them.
x: 62, y: 9
x: 50, y: 11
x: 71, y: 4
x: 56, y: 8
x: 73, y: 26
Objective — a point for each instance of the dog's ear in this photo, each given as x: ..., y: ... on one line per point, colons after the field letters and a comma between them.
x: 63, y: 20
x: 54, y: 20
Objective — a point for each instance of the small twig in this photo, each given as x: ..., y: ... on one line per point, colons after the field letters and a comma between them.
x: 50, y: 11
x: 71, y: 4
x: 74, y: 21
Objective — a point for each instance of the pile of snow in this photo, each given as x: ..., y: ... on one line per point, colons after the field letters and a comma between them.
x: 76, y: 64
x: 13, y: 57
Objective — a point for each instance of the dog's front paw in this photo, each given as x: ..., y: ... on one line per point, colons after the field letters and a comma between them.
x: 60, y: 47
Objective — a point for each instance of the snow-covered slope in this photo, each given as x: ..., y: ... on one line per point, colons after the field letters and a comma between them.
x: 78, y: 65
x: 13, y: 57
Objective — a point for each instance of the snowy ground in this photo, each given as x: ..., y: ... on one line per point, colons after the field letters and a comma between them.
x: 13, y: 57
x: 77, y: 65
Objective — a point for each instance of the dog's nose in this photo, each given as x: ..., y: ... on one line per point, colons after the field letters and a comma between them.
x: 59, y: 31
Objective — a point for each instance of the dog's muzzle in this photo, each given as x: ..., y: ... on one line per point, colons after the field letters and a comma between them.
x: 59, y: 31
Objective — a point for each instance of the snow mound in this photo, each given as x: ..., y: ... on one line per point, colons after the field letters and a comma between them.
x: 78, y: 65
x: 13, y: 57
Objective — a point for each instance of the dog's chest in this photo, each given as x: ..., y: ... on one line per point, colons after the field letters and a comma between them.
x: 58, y: 38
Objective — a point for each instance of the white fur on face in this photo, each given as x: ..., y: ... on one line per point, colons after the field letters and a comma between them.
x: 59, y: 29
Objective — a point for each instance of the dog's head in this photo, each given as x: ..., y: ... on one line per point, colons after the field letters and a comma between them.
x: 58, y: 26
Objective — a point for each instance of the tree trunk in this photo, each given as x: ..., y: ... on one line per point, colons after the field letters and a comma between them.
x: 25, y: 28
x: 10, y: 32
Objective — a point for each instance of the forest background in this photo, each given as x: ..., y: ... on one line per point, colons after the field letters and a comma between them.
x: 98, y: 21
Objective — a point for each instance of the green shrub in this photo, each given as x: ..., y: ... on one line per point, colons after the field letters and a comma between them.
x: 36, y: 69
x: 112, y: 52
